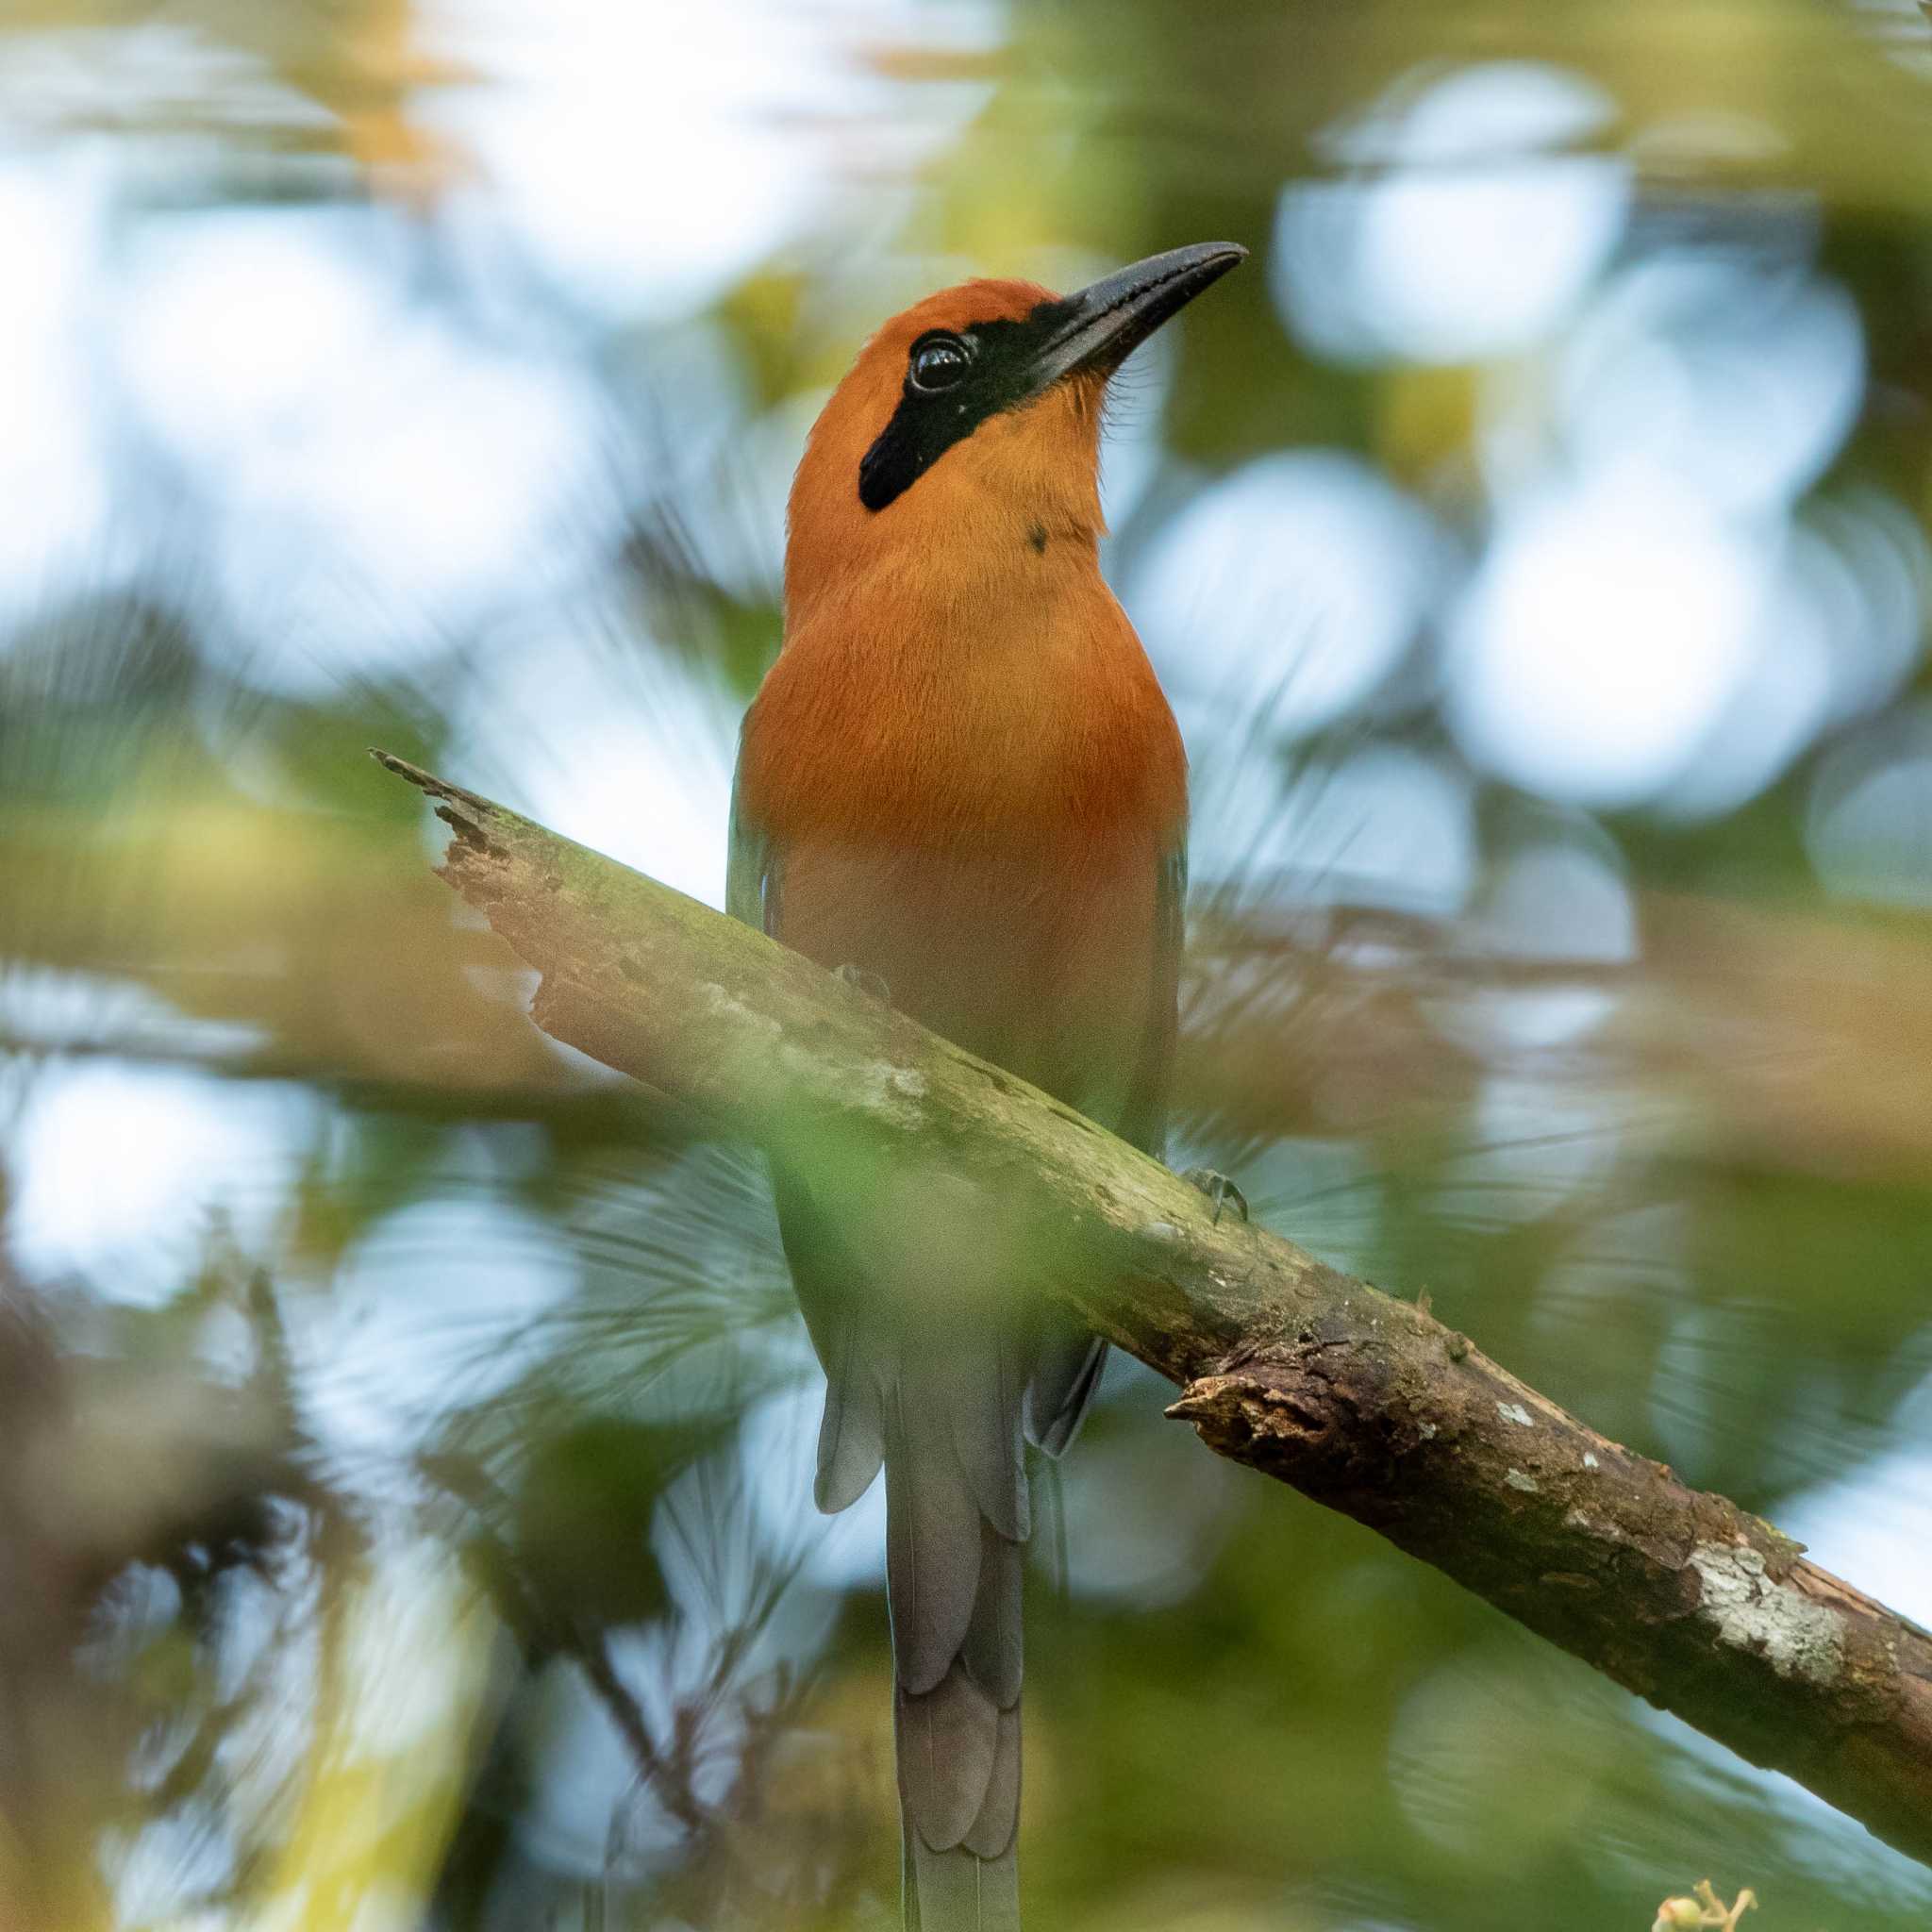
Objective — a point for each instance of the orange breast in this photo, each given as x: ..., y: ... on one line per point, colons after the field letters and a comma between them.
x: 982, y: 825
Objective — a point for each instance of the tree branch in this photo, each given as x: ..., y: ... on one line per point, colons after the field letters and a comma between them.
x: 1359, y: 1401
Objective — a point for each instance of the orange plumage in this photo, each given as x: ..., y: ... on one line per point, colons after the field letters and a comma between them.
x: 961, y: 776
x: 993, y: 772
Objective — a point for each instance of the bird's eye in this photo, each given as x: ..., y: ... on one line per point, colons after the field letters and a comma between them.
x: 938, y: 362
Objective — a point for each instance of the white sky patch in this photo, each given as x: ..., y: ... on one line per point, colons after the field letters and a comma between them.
x: 1860, y: 562
x: 1868, y: 825
x: 379, y: 478
x: 155, y: 1870
x: 780, y: 1456
x: 736, y: 515
x: 1393, y: 818
x: 690, y: 397
x: 1142, y: 1524
x: 453, y: 482
x: 607, y: 741
x: 1700, y: 373
x: 1874, y: 1526
x: 237, y: 323
x: 1647, y: 624
x: 416, y: 1651
x: 581, y: 1770
x: 646, y: 157
x: 1132, y: 450
x: 77, y: 77
x: 53, y: 474
x: 1298, y: 580
x: 52, y: 1007
x: 1784, y: 696
x: 1500, y: 107
x: 1558, y: 900
x: 634, y: 150
x: 1388, y: 825
x: 1602, y: 639
x: 428, y: 1310
x: 117, y: 1173
x: 1425, y: 259
x: 1530, y: 1149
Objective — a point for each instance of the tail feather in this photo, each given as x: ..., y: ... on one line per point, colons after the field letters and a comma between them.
x: 956, y: 1892
x: 1066, y: 1377
x: 953, y: 1583
x: 997, y: 1828
x: 984, y: 1390
x: 948, y: 1742
x: 932, y: 1548
x: 947, y: 1400
x: 993, y: 1652
x: 852, y: 1437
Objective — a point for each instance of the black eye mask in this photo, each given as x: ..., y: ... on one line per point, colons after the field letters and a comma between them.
x: 955, y: 379
x: 1002, y: 371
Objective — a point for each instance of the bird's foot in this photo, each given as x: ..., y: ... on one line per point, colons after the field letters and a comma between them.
x: 868, y: 983
x: 1218, y: 1190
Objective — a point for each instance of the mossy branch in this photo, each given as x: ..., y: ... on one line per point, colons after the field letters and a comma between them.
x: 1362, y: 1402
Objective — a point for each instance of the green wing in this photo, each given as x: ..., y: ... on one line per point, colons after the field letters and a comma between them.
x: 750, y: 893
x: 1143, y: 1119
x: 1067, y: 1361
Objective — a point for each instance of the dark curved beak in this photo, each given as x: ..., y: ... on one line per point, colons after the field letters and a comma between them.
x: 1096, y: 328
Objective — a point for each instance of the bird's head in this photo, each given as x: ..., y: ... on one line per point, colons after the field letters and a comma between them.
x: 972, y: 421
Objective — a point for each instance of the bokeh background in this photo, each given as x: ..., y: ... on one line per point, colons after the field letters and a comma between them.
x: 403, y: 1518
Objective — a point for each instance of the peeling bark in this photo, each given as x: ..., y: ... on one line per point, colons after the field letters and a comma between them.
x: 1362, y: 1402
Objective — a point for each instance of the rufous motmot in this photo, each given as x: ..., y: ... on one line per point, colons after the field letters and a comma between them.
x: 960, y: 780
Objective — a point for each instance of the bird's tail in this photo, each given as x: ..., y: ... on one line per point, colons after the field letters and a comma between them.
x: 956, y: 1505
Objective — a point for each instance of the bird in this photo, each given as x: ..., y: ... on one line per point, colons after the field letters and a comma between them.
x: 960, y: 786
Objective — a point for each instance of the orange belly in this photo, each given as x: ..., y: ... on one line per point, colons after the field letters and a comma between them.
x: 979, y: 813
x: 1041, y: 960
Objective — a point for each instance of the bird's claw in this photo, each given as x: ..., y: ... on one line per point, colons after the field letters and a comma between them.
x: 868, y: 983
x: 1218, y: 1190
